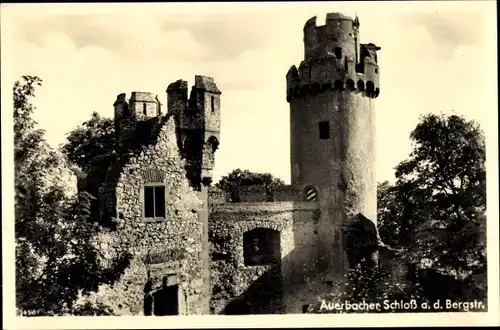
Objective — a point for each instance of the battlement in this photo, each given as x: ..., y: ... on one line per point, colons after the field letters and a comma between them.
x: 255, y: 194
x: 339, y: 31
x: 359, y: 83
x: 334, y: 60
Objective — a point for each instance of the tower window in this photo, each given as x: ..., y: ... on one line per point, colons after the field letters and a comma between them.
x: 144, y: 109
x: 324, y: 130
x: 154, y: 202
x: 212, y: 103
x: 338, y: 52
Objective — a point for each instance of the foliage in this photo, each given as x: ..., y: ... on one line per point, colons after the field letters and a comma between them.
x: 55, y: 257
x: 247, y: 178
x: 90, y: 147
x: 94, y: 138
x: 436, y: 208
x: 231, y: 182
x: 119, y: 299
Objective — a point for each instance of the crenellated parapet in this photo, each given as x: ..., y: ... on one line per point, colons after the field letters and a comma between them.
x: 339, y: 31
x: 334, y: 60
x: 355, y: 83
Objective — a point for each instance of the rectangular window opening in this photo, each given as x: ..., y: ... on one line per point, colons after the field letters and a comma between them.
x: 212, y: 105
x: 324, y: 130
x: 154, y: 202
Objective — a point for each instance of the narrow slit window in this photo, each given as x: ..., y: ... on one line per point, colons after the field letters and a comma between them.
x: 144, y: 109
x: 338, y: 52
x: 212, y: 103
x: 154, y: 202
x: 324, y: 130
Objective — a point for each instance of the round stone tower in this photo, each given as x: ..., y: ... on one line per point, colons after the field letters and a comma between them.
x: 332, y: 97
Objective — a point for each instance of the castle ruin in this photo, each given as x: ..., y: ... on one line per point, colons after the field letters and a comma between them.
x: 271, y: 250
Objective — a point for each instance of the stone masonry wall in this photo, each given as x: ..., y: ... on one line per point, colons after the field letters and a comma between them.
x: 256, y: 193
x: 241, y: 289
x: 171, y: 247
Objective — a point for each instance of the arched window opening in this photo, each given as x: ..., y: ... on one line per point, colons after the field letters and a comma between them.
x: 350, y: 84
x: 214, y: 143
x: 338, y: 52
x: 338, y: 85
x: 361, y: 86
x: 310, y: 194
x: 261, y: 246
x: 370, y: 87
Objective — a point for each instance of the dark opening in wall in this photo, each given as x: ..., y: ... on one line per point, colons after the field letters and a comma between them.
x: 324, y: 130
x: 144, y: 109
x: 214, y: 143
x: 212, y: 103
x: 338, y: 85
x: 338, y: 52
x: 154, y: 202
x: 220, y: 256
x: 261, y: 246
x: 350, y: 84
x: 166, y: 300
x: 376, y: 70
x: 364, y: 53
x: 361, y: 85
x: 370, y: 87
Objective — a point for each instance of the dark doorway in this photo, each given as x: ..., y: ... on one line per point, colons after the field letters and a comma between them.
x: 166, y: 301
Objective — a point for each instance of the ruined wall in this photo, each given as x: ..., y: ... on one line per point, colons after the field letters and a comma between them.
x: 171, y: 246
x: 255, y: 193
x: 238, y: 288
x: 198, y: 125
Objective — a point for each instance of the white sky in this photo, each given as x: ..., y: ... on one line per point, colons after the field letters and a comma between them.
x: 435, y: 57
